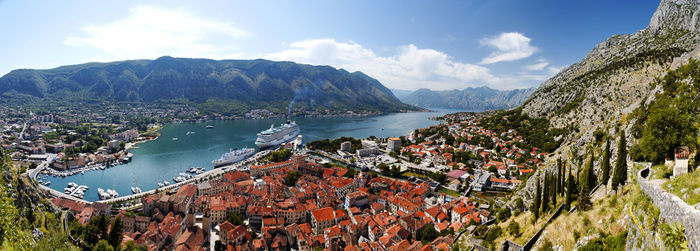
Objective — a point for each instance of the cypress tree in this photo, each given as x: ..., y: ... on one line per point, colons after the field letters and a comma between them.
x: 535, y: 208
x: 569, y: 188
x: 620, y: 175
x: 115, y: 234
x: 589, y: 174
x: 605, y: 164
x: 555, y: 180
x: 554, y: 193
x: 559, y: 187
x: 545, y: 194
x: 580, y: 161
x: 563, y: 177
x: 584, y: 200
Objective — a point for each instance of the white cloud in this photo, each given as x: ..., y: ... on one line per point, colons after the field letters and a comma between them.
x: 151, y: 32
x: 510, y: 46
x: 410, y: 68
x: 537, y: 66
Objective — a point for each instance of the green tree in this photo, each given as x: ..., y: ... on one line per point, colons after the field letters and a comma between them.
x: 514, y: 229
x: 535, y: 207
x: 557, y: 186
x: 667, y: 127
x: 554, y: 193
x: 503, y: 214
x: 103, y: 245
x: 234, y: 218
x: 10, y: 233
x: 279, y: 155
x: 519, y: 204
x: 569, y: 190
x: 91, y: 232
x: 545, y: 194
x: 395, y: 171
x: 492, y: 235
x: 587, y: 178
x: 584, y: 200
x: 562, y: 170
x: 605, y: 165
x: 116, y: 233
x: 131, y: 246
x: 350, y: 173
x: 427, y: 234
x: 674, y: 236
x: 291, y: 178
x: 620, y: 175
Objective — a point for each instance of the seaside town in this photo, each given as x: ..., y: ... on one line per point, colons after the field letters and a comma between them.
x: 350, y: 126
x: 422, y: 191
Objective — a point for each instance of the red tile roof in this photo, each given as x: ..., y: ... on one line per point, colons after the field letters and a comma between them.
x: 323, y: 214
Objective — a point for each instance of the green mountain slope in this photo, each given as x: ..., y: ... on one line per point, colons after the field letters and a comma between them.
x: 225, y: 86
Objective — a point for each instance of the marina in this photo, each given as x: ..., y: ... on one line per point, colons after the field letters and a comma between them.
x: 161, y: 160
x: 80, y: 170
x: 135, y: 190
x: 75, y: 190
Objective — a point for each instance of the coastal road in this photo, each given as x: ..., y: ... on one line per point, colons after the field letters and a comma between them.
x: 21, y: 134
x: 32, y: 173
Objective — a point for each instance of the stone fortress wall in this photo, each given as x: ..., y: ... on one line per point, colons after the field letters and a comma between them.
x: 672, y: 208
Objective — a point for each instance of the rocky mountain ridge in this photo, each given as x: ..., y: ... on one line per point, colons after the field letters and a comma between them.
x: 619, y: 73
x: 472, y: 99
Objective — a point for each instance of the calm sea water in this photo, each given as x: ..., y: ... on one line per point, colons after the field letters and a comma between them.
x: 164, y: 158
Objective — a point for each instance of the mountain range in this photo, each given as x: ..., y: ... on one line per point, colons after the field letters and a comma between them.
x: 473, y: 99
x: 230, y: 86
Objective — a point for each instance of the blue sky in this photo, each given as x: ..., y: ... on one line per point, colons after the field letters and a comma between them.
x: 404, y: 44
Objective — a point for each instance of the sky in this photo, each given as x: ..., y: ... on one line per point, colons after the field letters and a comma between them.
x: 404, y: 44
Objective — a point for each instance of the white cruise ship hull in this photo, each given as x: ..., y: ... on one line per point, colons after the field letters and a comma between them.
x: 284, y: 139
x: 220, y: 162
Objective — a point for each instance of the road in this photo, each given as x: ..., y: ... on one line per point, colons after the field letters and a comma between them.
x: 32, y: 173
x: 21, y: 134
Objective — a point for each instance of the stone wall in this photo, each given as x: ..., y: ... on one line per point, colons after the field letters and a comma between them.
x: 672, y: 208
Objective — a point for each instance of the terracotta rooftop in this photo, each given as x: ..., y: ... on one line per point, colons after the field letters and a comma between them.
x: 323, y: 214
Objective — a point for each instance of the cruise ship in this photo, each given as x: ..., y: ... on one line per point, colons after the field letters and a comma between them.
x: 277, y: 135
x: 233, y: 156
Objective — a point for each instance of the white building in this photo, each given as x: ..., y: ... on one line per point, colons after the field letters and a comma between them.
x: 394, y: 144
x: 681, y: 156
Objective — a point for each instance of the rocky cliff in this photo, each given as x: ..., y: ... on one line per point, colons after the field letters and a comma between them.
x: 618, y: 74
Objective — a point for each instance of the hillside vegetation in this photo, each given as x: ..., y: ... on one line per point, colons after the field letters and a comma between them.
x: 27, y: 220
x: 671, y: 119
